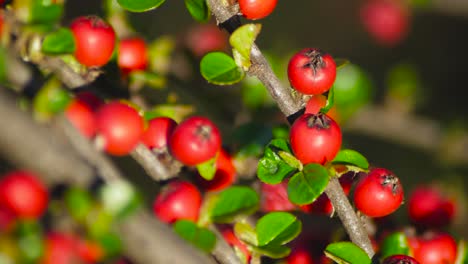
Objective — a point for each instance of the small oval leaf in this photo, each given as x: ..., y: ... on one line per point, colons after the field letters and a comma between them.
x: 140, y: 5
x: 200, y: 237
x: 219, y: 68
x: 351, y: 157
x: 59, y: 42
x: 207, y: 169
x: 198, y: 9
x: 273, y: 251
x: 277, y: 162
x: 330, y: 101
x: 395, y: 244
x: 346, y: 252
x: 307, y: 185
x: 241, y: 40
x: 277, y: 228
x: 234, y: 201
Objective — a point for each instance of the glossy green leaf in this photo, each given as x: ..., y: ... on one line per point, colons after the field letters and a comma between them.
x: 462, y: 253
x: 202, y: 238
x: 330, y: 101
x: 198, y: 9
x: 241, y: 40
x: 395, y: 244
x: 346, y: 252
x: 219, y: 68
x: 45, y: 12
x: 307, y: 185
x: 273, y: 251
x: 110, y: 243
x: 234, y: 201
x: 78, y: 202
x: 245, y: 232
x: 59, y: 42
x: 277, y: 228
x: 272, y: 168
x: 140, y: 5
x: 207, y: 169
x: 50, y: 100
x: 351, y: 157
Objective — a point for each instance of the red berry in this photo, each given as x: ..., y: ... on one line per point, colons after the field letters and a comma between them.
x: 316, y: 103
x: 387, y: 21
x: 7, y: 218
x: 274, y: 197
x: 94, y: 39
x: 120, y: 126
x: 428, y: 207
x: 132, y: 55
x: 233, y: 241
x: 299, y: 256
x: 379, y: 193
x: 60, y: 249
x: 400, y: 259
x: 178, y: 200
x: 158, y: 132
x: 89, y: 251
x: 224, y: 176
x: 310, y: 71
x: 195, y: 141
x: 89, y: 99
x: 23, y: 194
x: 256, y: 9
x: 82, y: 118
x: 434, y: 248
x: 315, y: 138
x: 204, y: 38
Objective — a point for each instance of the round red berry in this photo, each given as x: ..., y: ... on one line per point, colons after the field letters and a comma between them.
x: 316, y: 103
x: 256, y: 9
x: 434, y: 248
x: 315, y: 138
x: 94, y: 39
x: 379, y: 193
x: 311, y: 71
x: 299, y: 256
x: 195, y: 141
x: 60, y: 248
x: 24, y: 194
x: 274, y: 197
x: 387, y: 21
x: 158, y: 132
x: 120, y: 127
x: 177, y: 200
x: 132, y: 55
x: 204, y: 38
x: 400, y: 259
x: 428, y: 207
x: 224, y: 176
x: 233, y: 241
x: 81, y: 117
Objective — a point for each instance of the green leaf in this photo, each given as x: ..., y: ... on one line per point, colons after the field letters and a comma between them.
x: 202, y: 238
x: 307, y: 185
x: 140, y: 5
x: 111, y: 244
x: 346, y: 252
x: 207, y: 169
x: 59, y: 42
x: 351, y: 157
x: 119, y: 198
x: 241, y: 40
x: 272, y: 168
x: 50, y: 100
x: 395, y: 244
x: 245, y: 232
x: 330, y: 101
x: 45, y: 12
x: 153, y: 80
x: 234, y: 201
x: 462, y: 253
x: 78, y: 202
x: 198, y: 9
x: 273, y: 251
x: 340, y: 62
x: 30, y: 240
x: 277, y: 228
x: 219, y: 68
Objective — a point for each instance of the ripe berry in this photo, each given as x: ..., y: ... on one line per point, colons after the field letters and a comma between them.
x: 434, y: 248
x: 23, y: 194
x: 315, y: 138
x: 387, y: 21
x: 89, y: 251
x: 233, y: 241
x: 94, y: 39
x: 379, y: 193
x: 224, y: 176
x: 316, y: 103
x: 299, y: 256
x: 81, y: 117
x: 158, y: 132
x: 132, y: 55
x: 256, y: 9
x: 120, y: 126
x: 428, y: 207
x: 204, y: 38
x: 310, y: 71
x: 400, y: 259
x: 177, y: 200
x: 195, y: 141
x: 60, y: 249
x: 88, y: 98
x: 274, y: 197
